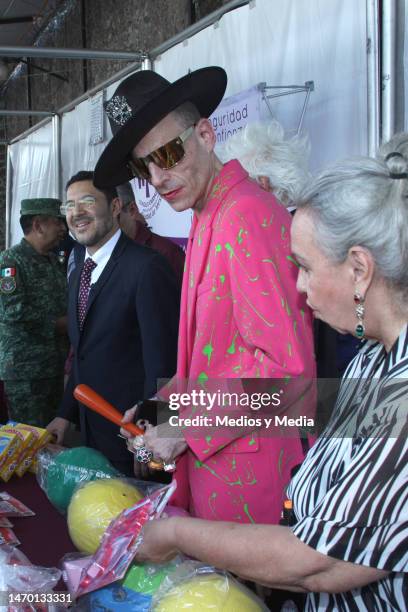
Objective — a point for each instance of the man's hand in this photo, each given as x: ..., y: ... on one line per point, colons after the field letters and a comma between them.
x: 58, y: 427
x: 158, y: 541
x: 165, y: 441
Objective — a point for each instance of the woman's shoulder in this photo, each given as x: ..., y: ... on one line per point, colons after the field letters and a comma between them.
x: 369, y: 349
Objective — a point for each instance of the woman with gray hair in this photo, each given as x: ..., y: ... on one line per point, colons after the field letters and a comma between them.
x: 346, y: 545
x: 279, y: 164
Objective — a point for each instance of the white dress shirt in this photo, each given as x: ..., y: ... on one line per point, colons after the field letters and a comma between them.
x: 102, y: 256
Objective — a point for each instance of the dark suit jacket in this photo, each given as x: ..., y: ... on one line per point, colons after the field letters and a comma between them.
x: 128, y: 341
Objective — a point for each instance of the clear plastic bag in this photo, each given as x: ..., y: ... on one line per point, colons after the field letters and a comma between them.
x: 19, y: 575
x: 95, y: 504
x: 121, y: 541
x: 10, y: 506
x: 194, y: 586
x: 60, y: 470
x: 134, y: 592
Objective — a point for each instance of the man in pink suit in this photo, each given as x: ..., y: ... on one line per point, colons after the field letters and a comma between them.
x: 241, y: 316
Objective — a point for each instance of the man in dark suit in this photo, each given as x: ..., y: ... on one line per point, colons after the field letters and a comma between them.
x: 134, y: 225
x: 122, y: 318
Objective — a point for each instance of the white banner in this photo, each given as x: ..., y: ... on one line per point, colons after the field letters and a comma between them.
x: 158, y: 213
x: 235, y: 112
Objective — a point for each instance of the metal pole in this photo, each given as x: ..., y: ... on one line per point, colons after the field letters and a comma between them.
x: 29, y: 97
x: 388, y: 76
x: 30, y: 130
x: 116, y: 77
x: 57, y: 53
x: 56, y: 143
x: 310, y: 87
x: 197, y: 27
x: 147, y: 64
x: 373, y: 80
x: 13, y: 20
x: 8, y: 196
x: 289, y: 92
x: 40, y: 69
x: 84, y: 45
x: 26, y: 112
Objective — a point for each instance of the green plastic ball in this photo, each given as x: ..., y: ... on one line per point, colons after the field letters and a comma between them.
x: 71, y: 468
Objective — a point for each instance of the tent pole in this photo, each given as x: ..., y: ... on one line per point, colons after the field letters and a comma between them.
x: 8, y: 196
x: 388, y: 72
x: 373, y: 81
x: 56, y: 140
x: 26, y: 112
x: 58, y: 53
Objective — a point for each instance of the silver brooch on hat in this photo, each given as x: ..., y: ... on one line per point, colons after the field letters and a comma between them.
x: 118, y: 110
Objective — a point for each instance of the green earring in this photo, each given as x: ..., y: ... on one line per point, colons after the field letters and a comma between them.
x: 360, y: 310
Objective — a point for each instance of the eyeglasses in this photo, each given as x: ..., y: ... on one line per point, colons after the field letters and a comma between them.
x: 165, y: 157
x: 88, y: 202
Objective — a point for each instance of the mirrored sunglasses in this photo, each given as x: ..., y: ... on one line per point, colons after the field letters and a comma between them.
x: 165, y: 157
x: 87, y: 203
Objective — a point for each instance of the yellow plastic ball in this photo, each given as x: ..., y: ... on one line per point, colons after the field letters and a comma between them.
x: 211, y: 592
x: 93, y: 507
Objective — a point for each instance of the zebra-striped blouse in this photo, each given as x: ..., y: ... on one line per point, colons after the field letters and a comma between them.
x: 350, y: 495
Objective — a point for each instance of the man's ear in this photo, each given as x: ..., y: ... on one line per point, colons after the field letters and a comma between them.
x: 205, y: 133
x: 116, y: 205
x: 132, y: 208
x: 37, y: 225
x: 362, y: 267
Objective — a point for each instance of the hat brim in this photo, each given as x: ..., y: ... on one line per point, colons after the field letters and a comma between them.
x: 43, y: 213
x: 205, y: 88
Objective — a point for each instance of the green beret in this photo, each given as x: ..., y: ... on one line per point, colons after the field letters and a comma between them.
x: 41, y: 206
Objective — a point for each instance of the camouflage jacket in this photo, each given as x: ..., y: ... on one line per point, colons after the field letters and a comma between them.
x: 33, y: 294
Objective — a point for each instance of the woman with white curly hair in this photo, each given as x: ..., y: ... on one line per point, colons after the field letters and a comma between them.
x: 279, y: 164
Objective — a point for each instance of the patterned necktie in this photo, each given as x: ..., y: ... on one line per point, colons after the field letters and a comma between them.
x: 84, y: 286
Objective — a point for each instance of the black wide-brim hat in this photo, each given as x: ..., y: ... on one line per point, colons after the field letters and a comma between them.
x: 140, y: 102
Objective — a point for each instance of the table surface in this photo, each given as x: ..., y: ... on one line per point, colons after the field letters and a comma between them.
x: 44, y: 537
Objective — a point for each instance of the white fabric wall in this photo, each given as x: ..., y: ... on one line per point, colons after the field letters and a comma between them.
x: 76, y: 151
x: 288, y: 43
x: 33, y: 173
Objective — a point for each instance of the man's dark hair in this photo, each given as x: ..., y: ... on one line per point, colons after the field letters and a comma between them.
x: 110, y: 193
x: 27, y: 221
x: 126, y: 195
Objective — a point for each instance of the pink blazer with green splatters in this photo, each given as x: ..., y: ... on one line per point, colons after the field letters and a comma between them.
x: 241, y: 317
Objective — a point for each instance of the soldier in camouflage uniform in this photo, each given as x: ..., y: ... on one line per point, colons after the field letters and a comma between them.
x: 33, y: 306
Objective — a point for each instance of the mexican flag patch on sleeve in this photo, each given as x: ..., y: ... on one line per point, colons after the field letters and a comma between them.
x: 8, y: 272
